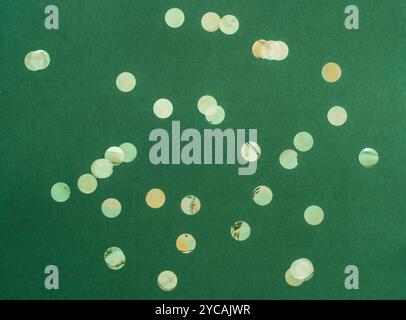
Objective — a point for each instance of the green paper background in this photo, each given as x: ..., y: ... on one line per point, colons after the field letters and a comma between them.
x: 55, y: 122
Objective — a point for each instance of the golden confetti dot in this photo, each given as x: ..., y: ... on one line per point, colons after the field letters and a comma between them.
x: 314, y: 215
x: 205, y: 103
x: 190, y: 205
x: 37, y: 60
x: 111, y: 208
x: 331, y: 72
x: 303, y: 141
x: 87, y: 183
x: 125, y: 82
x: 215, y: 117
x: 229, y: 24
x: 292, y: 281
x: 288, y: 159
x: 368, y: 157
x: 130, y: 151
x: 60, y: 192
x: 250, y: 151
x: 210, y: 22
x: 115, y: 155
x: 167, y: 280
x: 240, y: 230
x: 102, y: 168
x: 114, y: 258
x: 163, y: 108
x: 301, y: 269
x: 262, y: 195
x: 174, y: 18
x: 257, y: 48
x: 337, y: 116
x: 155, y: 198
x: 186, y: 243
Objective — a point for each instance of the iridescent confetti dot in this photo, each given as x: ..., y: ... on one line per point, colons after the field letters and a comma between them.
x: 331, y: 72
x: 314, y: 215
x: 174, y: 18
x: 87, y: 183
x: 163, y: 108
x: 274, y: 50
x: 292, y: 281
x: 114, y: 258
x: 125, y: 82
x: 240, y: 230
x: 368, y: 157
x: 337, y: 116
x: 215, y: 117
x: 301, y: 269
x: 60, y: 192
x: 130, y: 151
x: 250, y: 151
x: 111, y: 208
x: 257, y: 48
x: 262, y: 195
x: 190, y: 205
x: 288, y: 159
x: 37, y: 60
x: 115, y: 155
x: 102, y: 168
x: 229, y: 24
x: 205, y: 103
x: 210, y: 21
x: 303, y: 141
x: 167, y: 280
x: 186, y: 243
x: 155, y: 198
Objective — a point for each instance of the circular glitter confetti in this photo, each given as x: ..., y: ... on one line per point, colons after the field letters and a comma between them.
x: 303, y: 141
x: 262, y: 195
x: 130, y: 151
x: 186, y: 243
x: 314, y: 215
x: 102, y: 168
x: 37, y: 60
x: 87, y: 183
x: 167, y: 280
x: 155, y: 198
x: 210, y: 21
x: 368, y: 158
x: 125, y: 82
x: 174, y: 18
x: 292, y: 281
x: 250, y: 151
x: 115, y: 155
x: 190, y: 205
x: 257, y: 48
x: 337, y: 116
x: 114, y: 258
x: 60, y: 192
x: 240, y: 230
x: 274, y: 50
x: 205, y: 103
x: 283, y: 52
x: 288, y: 159
x: 215, y: 117
x: 111, y: 208
x: 229, y: 24
x: 163, y: 108
x: 331, y: 72
x: 301, y: 269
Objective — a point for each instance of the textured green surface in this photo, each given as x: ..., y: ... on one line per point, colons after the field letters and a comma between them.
x: 55, y: 122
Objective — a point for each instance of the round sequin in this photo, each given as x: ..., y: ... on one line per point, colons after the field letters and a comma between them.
x: 229, y: 24
x: 167, y: 280
x: 301, y: 269
x: 102, y: 168
x: 115, y: 155
x: 37, y: 60
x: 257, y: 48
x: 205, y: 103
x: 186, y: 243
x: 87, y: 183
x: 331, y: 72
x: 240, y: 230
x: 155, y: 198
x: 174, y: 17
x: 215, y: 117
x: 368, y: 158
x: 130, y: 151
x: 125, y: 82
x: 60, y: 192
x: 190, y: 205
x: 114, y: 258
x: 292, y: 281
x: 250, y: 151
x: 337, y: 116
x: 163, y: 108
x: 314, y: 215
x: 288, y: 159
x: 303, y: 141
x: 210, y: 22
x: 262, y: 195
x: 111, y: 208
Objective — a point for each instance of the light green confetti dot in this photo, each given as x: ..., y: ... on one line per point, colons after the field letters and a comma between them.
x: 111, y: 208
x: 262, y: 195
x: 130, y: 151
x: 114, y: 258
x: 60, y: 192
x: 368, y: 158
x: 240, y: 230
